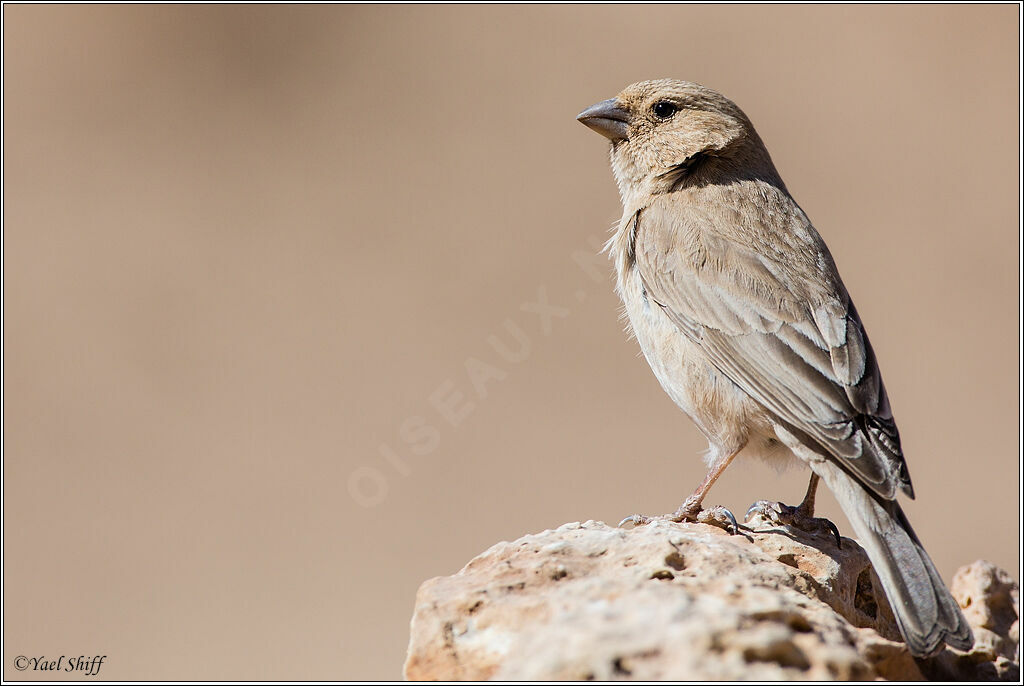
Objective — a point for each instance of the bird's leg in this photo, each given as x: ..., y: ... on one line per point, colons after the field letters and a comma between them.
x: 802, y: 516
x: 806, y: 508
x: 691, y: 509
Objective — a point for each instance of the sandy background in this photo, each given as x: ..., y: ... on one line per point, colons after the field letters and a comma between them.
x: 245, y: 247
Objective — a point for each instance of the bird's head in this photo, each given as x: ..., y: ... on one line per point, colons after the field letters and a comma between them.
x: 669, y: 132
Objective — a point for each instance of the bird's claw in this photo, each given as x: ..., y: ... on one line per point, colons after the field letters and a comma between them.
x: 833, y: 529
x: 719, y: 516
x: 770, y: 511
x: 635, y: 520
x: 715, y: 516
x: 786, y: 515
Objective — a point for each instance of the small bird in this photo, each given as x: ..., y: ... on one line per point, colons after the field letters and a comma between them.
x: 740, y: 311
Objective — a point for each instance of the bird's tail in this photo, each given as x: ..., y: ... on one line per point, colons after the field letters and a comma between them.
x: 926, y: 612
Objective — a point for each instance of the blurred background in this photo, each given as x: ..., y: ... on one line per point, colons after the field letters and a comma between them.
x: 302, y: 305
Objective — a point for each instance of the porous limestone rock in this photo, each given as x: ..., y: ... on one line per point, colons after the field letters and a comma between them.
x: 688, y: 602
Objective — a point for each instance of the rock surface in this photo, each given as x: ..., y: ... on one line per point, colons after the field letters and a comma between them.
x: 689, y: 602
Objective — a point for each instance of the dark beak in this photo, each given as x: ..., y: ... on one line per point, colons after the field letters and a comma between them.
x: 607, y: 118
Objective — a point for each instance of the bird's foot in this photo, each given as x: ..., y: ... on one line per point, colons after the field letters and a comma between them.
x: 690, y: 512
x: 796, y: 517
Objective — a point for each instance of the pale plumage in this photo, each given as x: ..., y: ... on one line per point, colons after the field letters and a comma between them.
x: 741, y: 313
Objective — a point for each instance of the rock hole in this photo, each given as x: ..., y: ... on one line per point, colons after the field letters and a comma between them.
x: 783, y: 653
x: 799, y: 624
x: 449, y: 636
x: 559, y: 573
x: 476, y: 606
x: 663, y: 575
x: 794, y: 620
x: 618, y: 667
x: 675, y: 561
x: 864, y: 598
x: 789, y: 559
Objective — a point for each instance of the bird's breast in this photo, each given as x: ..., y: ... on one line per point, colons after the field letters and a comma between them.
x: 677, y: 362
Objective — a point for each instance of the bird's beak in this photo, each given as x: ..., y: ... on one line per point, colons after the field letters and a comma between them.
x: 607, y: 118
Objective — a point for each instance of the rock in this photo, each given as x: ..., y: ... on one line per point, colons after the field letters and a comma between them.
x: 688, y: 602
x: 991, y: 603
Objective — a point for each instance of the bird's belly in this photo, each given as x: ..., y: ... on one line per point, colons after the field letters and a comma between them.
x: 676, y: 361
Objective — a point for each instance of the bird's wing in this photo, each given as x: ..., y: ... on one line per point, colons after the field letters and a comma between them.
x: 796, y: 347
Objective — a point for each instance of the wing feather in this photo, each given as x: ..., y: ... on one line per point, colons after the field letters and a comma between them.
x: 788, y: 337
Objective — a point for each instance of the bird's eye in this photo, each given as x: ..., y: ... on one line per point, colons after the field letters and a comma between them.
x: 664, y: 110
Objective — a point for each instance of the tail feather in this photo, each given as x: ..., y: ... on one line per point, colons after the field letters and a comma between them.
x: 926, y: 612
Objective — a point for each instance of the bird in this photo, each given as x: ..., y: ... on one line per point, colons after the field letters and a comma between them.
x: 739, y: 309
